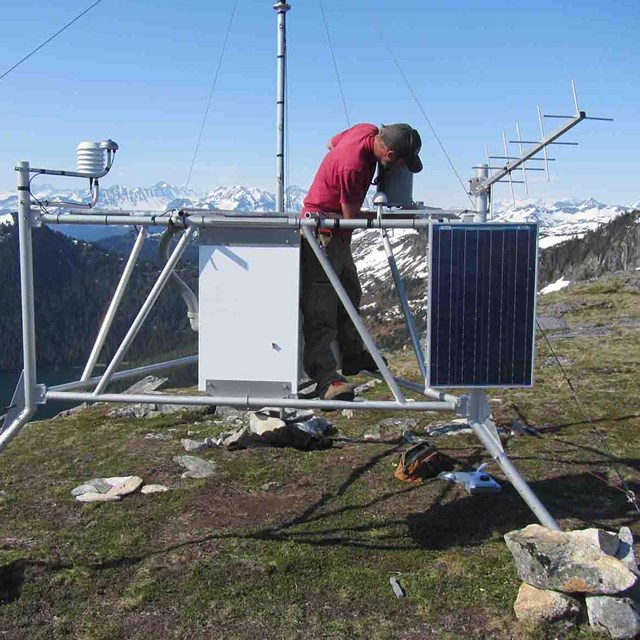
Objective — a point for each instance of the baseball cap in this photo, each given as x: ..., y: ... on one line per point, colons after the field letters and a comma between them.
x: 405, y: 141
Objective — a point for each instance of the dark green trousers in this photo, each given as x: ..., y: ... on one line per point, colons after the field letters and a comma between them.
x: 325, y: 319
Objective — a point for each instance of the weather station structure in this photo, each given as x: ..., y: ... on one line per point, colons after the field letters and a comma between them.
x: 480, y: 307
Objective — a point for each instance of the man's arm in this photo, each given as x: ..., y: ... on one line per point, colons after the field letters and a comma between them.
x: 335, y: 140
x: 351, y: 210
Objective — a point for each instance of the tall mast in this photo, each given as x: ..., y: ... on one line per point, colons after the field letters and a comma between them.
x: 281, y: 8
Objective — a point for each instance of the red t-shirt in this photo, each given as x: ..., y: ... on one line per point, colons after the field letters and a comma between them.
x: 345, y: 173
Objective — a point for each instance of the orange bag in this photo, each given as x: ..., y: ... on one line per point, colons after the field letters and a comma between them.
x: 420, y: 462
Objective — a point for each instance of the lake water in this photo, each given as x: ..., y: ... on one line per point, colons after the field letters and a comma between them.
x: 9, y: 379
x: 178, y: 377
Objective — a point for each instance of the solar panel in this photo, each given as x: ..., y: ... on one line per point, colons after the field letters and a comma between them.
x: 481, y: 305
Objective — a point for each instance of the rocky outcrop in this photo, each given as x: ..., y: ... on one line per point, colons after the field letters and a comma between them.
x: 568, y: 562
x: 545, y: 605
x: 564, y: 572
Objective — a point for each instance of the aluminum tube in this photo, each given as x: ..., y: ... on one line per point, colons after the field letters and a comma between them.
x: 482, y: 198
x: 144, y: 311
x: 106, y: 219
x: 181, y: 286
x: 513, y: 475
x: 418, y: 388
x: 406, y: 311
x: 129, y: 373
x: 113, y: 306
x: 25, y: 218
x: 110, y: 219
x: 354, y: 315
x: 360, y: 223
x: 14, y: 428
x: 247, y: 401
x: 281, y: 8
x: 496, y: 177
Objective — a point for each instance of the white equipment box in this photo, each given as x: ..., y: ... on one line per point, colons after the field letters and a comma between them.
x: 249, y: 311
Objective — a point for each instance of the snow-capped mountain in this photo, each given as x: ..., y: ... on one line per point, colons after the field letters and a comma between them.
x: 560, y: 220
x: 163, y: 195
x: 159, y: 197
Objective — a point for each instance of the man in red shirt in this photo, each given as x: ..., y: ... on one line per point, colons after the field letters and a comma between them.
x: 339, y: 189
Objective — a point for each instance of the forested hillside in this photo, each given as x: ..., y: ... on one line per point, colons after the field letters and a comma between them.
x: 74, y: 283
x: 614, y: 246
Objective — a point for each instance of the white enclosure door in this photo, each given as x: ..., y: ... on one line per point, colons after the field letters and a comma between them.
x: 249, y: 311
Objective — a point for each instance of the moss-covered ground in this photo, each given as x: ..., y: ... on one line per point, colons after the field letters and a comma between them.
x: 311, y: 556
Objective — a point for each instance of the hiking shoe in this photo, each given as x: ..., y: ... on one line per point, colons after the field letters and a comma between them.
x: 363, y: 362
x: 337, y: 390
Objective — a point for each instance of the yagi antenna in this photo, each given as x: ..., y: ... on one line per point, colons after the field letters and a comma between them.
x: 482, y: 183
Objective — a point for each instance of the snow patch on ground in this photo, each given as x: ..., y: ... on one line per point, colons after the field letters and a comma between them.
x: 555, y: 286
x: 6, y: 219
x: 550, y: 241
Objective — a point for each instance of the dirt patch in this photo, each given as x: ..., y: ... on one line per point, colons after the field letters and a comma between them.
x: 222, y: 507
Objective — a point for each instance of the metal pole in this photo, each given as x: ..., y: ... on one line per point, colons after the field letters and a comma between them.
x: 481, y: 424
x: 281, y: 8
x: 144, y: 311
x: 129, y: 373
x: 402, y: 297
x: 115, y: 303
x: 248, y: 401
x: 513, y: 475
x: 26, y: 285
x: 354, y: 315
x: 482, y: 198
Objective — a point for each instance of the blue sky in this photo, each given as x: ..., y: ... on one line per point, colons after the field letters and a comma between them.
x: 140, y: 72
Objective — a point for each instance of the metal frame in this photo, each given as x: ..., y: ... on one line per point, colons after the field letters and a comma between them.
x: 29, y: 393
x: 474, y: 406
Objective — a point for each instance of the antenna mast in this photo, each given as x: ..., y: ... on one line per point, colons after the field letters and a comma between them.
x: 281, y: 8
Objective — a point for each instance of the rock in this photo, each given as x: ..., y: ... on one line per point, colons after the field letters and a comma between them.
x: 619, y: 617
x: 95, y: 485
x: 550, y: 323
x: 543, y: 605
x: 261, y: 422
x: 550, y: 559
x: 125, y: 486
x: 193, y: 445
x: 229, y: 414
x: 236, y: 438
x: 146, y: 385
x: 315, y: 425
x: 196, y: 467
x: 97, y: 497
x: 152, y: 410
x: 366, y: 386
x: 453, y: 428
x: 392, y: 428
x: 348, y: 413
x: 605, y: 540
x: 71, y: 412
x: 625, y: 552
x: 154, y: 488
x: 158, y: 436
x: 116, y: 486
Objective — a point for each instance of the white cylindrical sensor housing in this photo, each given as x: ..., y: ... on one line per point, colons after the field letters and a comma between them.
x: 90, y: 158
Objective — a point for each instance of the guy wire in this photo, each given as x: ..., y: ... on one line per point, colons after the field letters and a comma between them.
x: 335, y: 64
x: 213, y: 87
x: 48, y: 40
x: 631, y: 496
x: 417, y: 101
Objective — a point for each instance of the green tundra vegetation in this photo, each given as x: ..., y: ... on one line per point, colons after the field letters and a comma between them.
x: 280, y: 543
